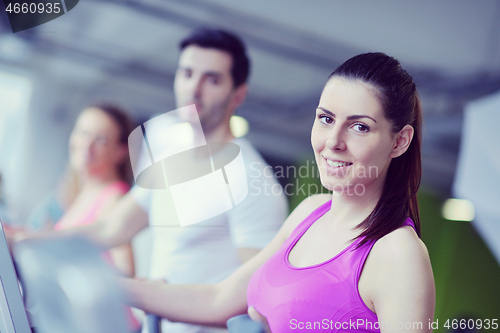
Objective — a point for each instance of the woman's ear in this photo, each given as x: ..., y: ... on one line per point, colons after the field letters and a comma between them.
x: 402, y: 141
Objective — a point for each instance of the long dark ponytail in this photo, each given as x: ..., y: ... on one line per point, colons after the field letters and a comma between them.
x: 398, y: 95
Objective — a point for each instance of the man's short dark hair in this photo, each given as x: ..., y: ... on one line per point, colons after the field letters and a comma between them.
x: 224, y: 41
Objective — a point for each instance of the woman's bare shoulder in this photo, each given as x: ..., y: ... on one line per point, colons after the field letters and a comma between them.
x: 401, y: 254
x: 304, y: 209
x: 399, y: 280
x: 402, y: 243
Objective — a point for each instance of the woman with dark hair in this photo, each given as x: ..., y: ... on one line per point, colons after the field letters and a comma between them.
x: 347, y: 261
x: 98, y: 174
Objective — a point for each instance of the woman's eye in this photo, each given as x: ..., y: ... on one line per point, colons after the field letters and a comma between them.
x: 186, y: 73
x: 325, y: 119
x: 82, y: 133
x: 101, y: 140
x: 361, y: 128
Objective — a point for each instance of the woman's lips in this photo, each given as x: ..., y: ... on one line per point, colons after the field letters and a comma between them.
x: 336, y: 167
x: 337, y: 164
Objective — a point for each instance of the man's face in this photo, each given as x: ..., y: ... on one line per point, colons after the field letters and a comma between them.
x: 204, y: 78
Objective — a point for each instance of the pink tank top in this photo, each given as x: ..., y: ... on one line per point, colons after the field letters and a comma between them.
x: 319, y: 298
x: 95, y: 208
x: 92, y: 213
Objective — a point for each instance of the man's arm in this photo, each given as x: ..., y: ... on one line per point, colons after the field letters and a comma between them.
x: 121, y: 224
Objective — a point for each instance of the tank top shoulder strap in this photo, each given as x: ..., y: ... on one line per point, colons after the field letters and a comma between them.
x: 409, y: 222
x: 119, y: 187
x: 310, y: 219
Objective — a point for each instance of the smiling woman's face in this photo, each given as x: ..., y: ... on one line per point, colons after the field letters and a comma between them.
x: 94, y: 146
x: 351, y: 138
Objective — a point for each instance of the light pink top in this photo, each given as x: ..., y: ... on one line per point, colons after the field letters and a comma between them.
x: 90, y: 216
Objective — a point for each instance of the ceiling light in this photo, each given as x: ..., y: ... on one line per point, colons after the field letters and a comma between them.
x: 239, y: 126
x: 458, y: 210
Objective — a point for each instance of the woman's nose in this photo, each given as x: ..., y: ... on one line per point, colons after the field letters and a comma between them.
x: 336, y: 140
x: 88, y: 143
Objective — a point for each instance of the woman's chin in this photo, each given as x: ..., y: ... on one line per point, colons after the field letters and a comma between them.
x: 334, y: 184
x: 87, y: 170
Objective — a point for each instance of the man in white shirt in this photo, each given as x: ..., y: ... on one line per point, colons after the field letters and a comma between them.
x: 212, y: 73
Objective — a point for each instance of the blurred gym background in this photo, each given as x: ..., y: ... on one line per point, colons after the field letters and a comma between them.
x: 125, y: 51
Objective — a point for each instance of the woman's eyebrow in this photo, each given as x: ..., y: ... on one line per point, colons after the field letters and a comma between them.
x: 353, y: 117
x: 325, y: 110
x: 359, y: 117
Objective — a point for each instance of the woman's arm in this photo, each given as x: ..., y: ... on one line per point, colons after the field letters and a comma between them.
x: 401, y: 284
x: 123, y: 255
x: 208, y: 304
x: 116, y: 228
x: 211, y: 304
x: 123, y: 259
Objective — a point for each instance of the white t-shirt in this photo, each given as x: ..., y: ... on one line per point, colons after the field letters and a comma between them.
x: 206, y: 252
